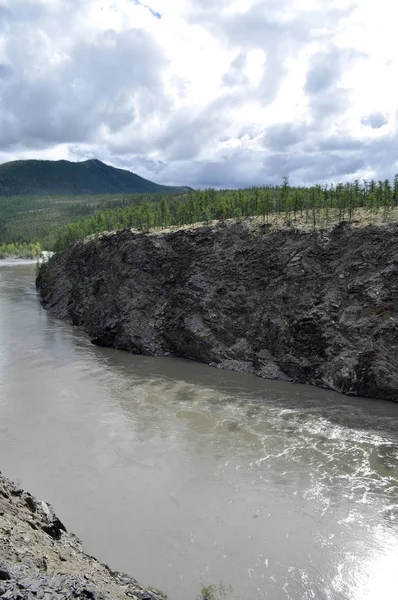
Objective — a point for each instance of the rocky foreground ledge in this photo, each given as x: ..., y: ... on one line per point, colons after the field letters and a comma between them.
x: 315, y: 307
x: 40, y: 559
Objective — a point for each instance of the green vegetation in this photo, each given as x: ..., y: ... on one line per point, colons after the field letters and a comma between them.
x: 56, y: 222
x: 316, y: 206
x: 26, y: 219
x: 20, y: 250
x: 37, y: 197
x: 44, y: 177
x: 214, y: 592
x: 209, y: 592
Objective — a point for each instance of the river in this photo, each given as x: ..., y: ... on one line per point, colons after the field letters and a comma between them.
x: 181, y: 474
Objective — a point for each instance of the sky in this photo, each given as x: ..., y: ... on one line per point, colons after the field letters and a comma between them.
x: 206, y: 93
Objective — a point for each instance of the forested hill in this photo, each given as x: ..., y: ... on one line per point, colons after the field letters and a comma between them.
x: 43, y: 177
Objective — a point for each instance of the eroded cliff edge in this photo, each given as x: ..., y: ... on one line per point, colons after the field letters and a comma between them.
x: 40, y: 559
x: 314, y: 307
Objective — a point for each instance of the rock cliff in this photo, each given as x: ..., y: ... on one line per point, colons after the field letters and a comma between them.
x: 40, y: 559
x: 313, y: 307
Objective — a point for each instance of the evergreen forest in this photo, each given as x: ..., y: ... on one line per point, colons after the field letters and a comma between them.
x: 29, y: 224
x: 316, y: 206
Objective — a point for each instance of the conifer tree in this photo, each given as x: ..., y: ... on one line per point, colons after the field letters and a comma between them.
x: 286, y: 200
x: 387, y: 198
x: 165, y: 214
x: 395, y: 192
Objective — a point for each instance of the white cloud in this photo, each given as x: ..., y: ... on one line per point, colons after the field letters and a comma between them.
x: 200, y: 92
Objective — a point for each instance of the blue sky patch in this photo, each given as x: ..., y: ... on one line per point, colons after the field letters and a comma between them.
x: 153, y: 12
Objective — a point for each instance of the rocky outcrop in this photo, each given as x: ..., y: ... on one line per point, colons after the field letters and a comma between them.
x: 39, y: 559
x: 313, y: 307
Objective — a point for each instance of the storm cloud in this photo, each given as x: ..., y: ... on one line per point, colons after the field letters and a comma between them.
x: 200, y: 93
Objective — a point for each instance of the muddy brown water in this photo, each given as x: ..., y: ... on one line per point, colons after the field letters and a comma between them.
x: 184, y: 475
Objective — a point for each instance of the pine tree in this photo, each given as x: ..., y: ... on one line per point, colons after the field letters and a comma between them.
x: 165, y: 214
x: 286, y: 200
x: 379, y: 195
x: 387, y: 198
x: 395, y: 192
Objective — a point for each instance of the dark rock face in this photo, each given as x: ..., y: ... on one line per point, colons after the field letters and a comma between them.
x: 318, y: 308
x: 39, y: 559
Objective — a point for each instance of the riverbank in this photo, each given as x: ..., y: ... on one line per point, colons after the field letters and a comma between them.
x: 40, y: 559
x: 316, y: 307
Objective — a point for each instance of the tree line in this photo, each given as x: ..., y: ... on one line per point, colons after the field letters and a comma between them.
x: 313, y: 204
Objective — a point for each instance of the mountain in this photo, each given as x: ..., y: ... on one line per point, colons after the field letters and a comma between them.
x: 44, y: 177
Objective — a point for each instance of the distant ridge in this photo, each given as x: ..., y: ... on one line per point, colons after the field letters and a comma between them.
x: 44, y: 177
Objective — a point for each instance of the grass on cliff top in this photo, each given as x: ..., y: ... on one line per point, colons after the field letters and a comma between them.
x: 279, y: 222
x: 361, y: 217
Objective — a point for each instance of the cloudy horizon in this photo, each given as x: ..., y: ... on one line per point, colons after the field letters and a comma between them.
x: 205, y: 94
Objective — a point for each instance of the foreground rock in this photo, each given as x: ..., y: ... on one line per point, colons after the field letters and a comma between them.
x: 318, y: 308
x: 39, y: 559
